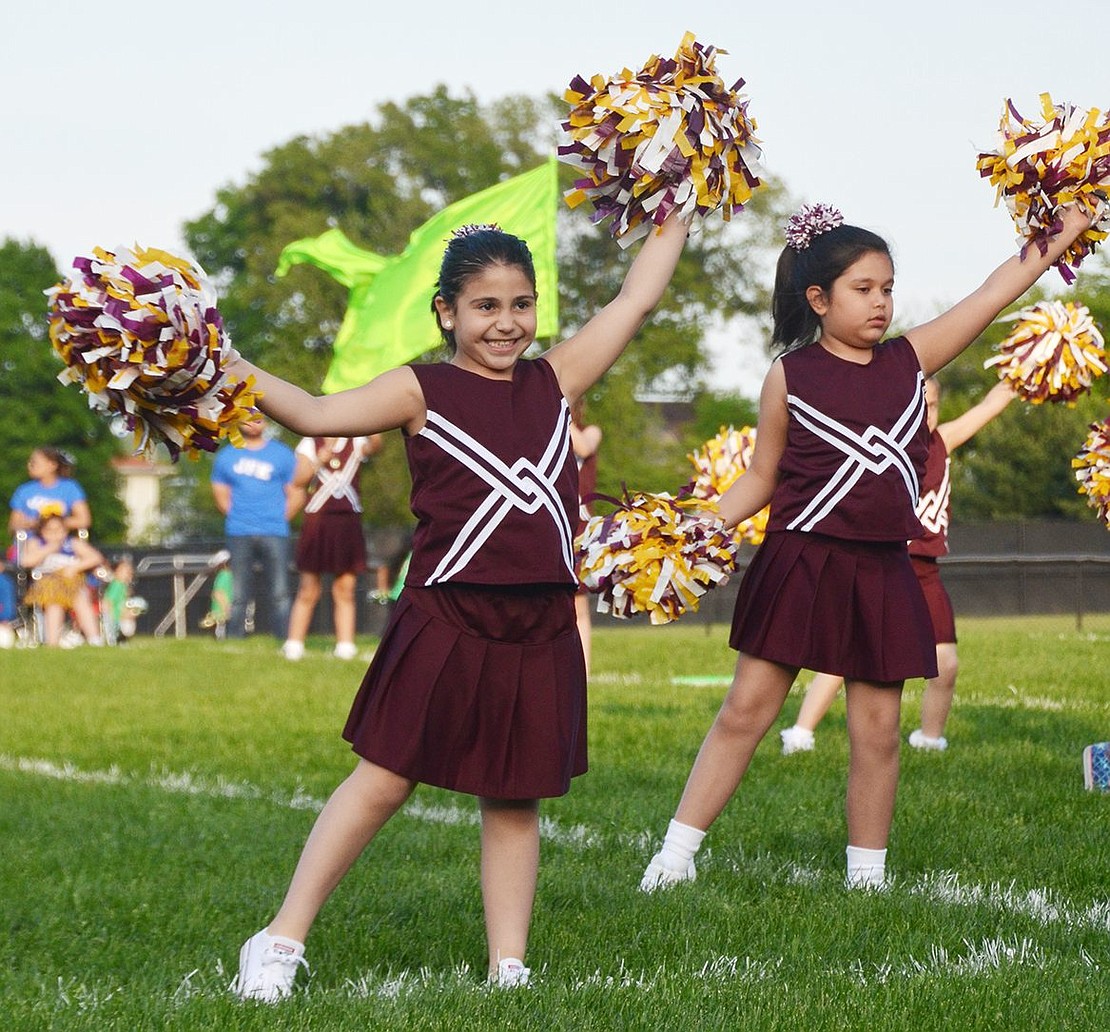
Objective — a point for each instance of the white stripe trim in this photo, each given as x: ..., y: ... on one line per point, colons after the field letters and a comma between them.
x: 525, y: 486
x: 874, y: 451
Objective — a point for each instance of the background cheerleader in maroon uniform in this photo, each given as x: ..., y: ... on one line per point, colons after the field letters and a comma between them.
x: 331, y: 541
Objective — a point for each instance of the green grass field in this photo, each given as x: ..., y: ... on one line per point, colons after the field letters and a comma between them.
x: 154, y: 798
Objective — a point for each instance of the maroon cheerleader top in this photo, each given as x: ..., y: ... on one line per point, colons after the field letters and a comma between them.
x: 494, y: 479
x: 934, y: 507
x: 335, y: 484
x: 855, y: 446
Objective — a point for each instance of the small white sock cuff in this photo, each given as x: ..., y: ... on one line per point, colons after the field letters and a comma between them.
x: 866, y: 866
x: 679, y: 846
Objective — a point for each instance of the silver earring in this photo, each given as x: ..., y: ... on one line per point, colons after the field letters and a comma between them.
x: 448, y: 325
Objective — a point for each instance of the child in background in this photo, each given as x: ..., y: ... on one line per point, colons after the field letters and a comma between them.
x: 118, y: 606
x: 585, y: 439
x: 478, y: 684
x: 840, y: 452
x: 58, y: 562
x: 934, y: 510
x: 219, y: 603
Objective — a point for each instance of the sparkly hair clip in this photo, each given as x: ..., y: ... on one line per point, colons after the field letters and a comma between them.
x: 475, y: 227
x: 809, y: 221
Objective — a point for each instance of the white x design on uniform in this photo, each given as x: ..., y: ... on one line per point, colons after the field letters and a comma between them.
x: 525, y: 485
x: 932, y: 510
x: 873, y: 451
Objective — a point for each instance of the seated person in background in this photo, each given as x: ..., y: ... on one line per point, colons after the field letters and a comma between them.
x: 50, y: 489
x: 58, y: 562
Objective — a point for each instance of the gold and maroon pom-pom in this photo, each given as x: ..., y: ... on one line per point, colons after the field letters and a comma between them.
x: 718, y: 464
x: 654, y: 554
x: 671, y: 137
x: 138, y: 330
x: 1042, y: 164
x: 1054, y: 353
x: 1092, y: 469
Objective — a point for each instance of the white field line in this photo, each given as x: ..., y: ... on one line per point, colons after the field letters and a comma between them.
x: 1041, y: 905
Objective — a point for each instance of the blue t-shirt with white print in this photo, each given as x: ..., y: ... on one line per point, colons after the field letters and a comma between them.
x: 257, y: 478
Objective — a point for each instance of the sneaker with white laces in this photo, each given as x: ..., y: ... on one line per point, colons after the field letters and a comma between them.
x: 293, y: 649
x: 796, y: 739
x: 267, y: 967
x: 511, y: 974
x: 345, y: 650
x: 659, y: 877
x: 920, y: 740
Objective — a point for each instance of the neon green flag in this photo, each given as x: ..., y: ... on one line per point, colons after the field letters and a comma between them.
x: 389, y: 319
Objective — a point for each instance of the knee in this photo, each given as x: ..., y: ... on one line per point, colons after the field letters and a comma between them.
x: 343, y: 591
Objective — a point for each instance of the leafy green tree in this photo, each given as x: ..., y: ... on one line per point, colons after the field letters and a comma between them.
x: 35, y: 409
x: 379, y: 180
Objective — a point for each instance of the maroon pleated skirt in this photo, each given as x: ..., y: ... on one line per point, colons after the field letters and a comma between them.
x: 936, y: 598
x: 477, y: 689
x: 331, y: 542
x: 843, y: 607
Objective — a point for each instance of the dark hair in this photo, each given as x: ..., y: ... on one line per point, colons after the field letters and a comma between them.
x: 62, y: 460
x: 472, y: 253
x: 826, y: 258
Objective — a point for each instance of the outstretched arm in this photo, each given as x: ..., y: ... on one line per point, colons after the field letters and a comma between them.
x: 390, y: 400
x: 941, y: 340
x: 961, y: 429
x: 581, y: 360
x: 752, y: 491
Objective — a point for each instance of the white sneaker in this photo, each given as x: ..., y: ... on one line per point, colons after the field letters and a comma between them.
x: 267, y: 967
x: 659, y: 877
x: 796, y: 739
x: 511, y: 974
x: 920, y: 740
x: 345, y: 650
x: 293, y: 649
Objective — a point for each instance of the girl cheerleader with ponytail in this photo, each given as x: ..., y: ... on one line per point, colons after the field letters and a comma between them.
x: 479, y: 683
x: 839, y: 457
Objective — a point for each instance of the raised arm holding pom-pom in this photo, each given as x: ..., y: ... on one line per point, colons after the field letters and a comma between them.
x: 840, y: 452
x: 478, y: 684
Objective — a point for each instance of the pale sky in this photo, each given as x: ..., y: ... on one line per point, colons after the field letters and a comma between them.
x: 120, y: 122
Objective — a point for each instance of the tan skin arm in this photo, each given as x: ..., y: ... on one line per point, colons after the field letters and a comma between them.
x: 581, y: 360
x: 753, y: 490
x: 222, y: 494
x: 585, y: 440
x: 961, y: 429
x: 79, y: 518
x: 387, y: 402
x: 939, y: 341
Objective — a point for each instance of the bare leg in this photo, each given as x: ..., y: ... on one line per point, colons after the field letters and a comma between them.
x: 582, y: 616
x: 352, y: 816
x: 873, y: 712
x: 937, y: 700
x: 753, y: 702
x: 304, y: 605
x: 818, y: 698
x: 510, y: 863
x: 343, y: 604
x: 85, y: 616
x: 53, y: 620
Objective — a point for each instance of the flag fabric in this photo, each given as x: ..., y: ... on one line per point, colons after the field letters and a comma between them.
x: 389, y: 319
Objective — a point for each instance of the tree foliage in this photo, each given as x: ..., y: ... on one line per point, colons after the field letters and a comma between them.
x: 379, y: 180
x: 35, y: 409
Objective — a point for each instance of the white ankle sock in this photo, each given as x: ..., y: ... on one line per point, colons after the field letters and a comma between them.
x: 681, y: 843
x: 866, y: 867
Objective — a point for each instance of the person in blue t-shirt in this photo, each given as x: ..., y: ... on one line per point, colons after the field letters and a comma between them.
x: 253, y: 488
x: 8, y: 607
x: 51, y: 487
